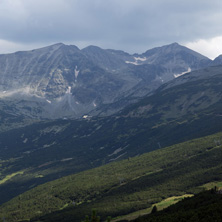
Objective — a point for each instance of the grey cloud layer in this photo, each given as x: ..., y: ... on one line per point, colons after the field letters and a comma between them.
x: 123, y: 24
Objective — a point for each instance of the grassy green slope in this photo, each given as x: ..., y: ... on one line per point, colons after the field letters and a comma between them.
x: 203, y: 207
x: 123, y: 187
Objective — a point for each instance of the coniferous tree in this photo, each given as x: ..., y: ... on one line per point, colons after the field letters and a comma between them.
x: 154, y: 210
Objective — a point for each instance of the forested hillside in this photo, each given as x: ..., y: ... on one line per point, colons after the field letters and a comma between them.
x: 123, y: 187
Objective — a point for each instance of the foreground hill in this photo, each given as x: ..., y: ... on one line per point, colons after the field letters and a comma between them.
x: 186, y: 108
x: 122, y: 187
x: 203, y: 207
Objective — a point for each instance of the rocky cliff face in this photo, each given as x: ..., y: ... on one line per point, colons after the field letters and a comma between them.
x: 63, y: 81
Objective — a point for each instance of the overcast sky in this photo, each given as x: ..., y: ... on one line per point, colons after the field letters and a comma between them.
x: 130, y: 25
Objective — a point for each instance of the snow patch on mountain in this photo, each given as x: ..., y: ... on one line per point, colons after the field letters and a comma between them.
x: 181, y: 74
x: 48, y: 145
x: 76, y: 73
x: 25, y: 140
x: 138, y: 61
x: 68, y: 91
x: 22, y: 91
x: 161, y: 79
x: 66, y: 159
x: 116, y: 151
x: 113, y: 159
x: 134, y: 63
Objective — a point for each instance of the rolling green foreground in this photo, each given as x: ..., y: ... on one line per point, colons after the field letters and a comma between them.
x: 203, y: 207
x: 123, y: 187
x: 160, y: 206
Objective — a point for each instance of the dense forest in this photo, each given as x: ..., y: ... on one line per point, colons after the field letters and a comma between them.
x: 123, y: 187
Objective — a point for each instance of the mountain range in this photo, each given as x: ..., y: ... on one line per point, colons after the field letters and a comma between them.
x: 69, y: 110
x: 62, y: 81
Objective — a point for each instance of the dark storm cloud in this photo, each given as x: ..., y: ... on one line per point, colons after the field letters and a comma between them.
x: 132, y: 25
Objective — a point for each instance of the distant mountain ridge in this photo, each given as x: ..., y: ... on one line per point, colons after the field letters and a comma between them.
x: 62, y: 81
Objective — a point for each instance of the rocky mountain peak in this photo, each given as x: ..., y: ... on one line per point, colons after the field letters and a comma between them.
x: 92, y: 48
x: 217, y: 60
x: 177, y: 59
